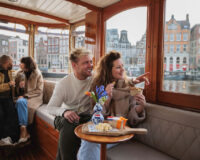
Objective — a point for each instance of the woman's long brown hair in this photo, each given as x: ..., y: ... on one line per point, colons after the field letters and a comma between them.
x: 29, y: 63
x: 103, y: 71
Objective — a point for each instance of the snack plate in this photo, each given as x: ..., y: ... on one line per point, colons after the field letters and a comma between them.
x: 89, y: 128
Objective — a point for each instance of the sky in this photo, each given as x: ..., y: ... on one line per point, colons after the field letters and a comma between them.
x: 134, y: 20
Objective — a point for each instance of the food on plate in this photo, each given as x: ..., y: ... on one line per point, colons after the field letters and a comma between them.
x: 103, y: 127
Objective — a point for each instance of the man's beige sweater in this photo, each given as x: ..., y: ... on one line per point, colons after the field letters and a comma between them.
x: 70, y: 91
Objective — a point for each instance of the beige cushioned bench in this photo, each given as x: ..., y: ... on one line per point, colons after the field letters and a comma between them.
x: 172, y: 133
x: 42, y: 111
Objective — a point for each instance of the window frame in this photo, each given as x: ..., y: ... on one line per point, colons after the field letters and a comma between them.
x: 180, y: 100
x: 154, y: 53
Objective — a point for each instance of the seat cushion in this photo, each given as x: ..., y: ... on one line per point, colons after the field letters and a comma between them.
x: 134, y: 150
x: 48, y: 91
x: 172, y: 131
x: 43, y: 113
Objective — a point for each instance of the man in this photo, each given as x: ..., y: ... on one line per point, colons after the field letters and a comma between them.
x: 71, y: 91
x: 9, y: 130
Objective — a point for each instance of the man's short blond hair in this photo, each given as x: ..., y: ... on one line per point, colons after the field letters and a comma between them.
x: 77, y: 53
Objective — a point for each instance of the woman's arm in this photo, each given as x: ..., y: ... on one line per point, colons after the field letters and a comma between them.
x: 39, y: 88
x: 109, y: 90
x: 140, y: 101
x: 137, y: 112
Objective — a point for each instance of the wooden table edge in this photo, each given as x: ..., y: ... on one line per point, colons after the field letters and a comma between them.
x: 127, y: 137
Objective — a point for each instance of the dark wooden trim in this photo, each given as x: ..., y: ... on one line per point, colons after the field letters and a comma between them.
x: 152, y: 48
x: 87, y: 5
x: 103, y: 37
x: 99, y: 37
x: 122, y: 6
x: 160, y: 74
x: 25, y: 22
x: 179, y: 100
x: 45, y: 137
x: 17, y: 8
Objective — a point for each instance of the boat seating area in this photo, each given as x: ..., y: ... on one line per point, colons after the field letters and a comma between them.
x: 172, y: 134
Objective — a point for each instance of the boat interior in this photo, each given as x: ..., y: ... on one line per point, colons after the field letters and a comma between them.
x: 173, y: 96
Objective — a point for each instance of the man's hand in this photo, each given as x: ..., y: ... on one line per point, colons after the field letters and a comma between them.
x: 71, y: 116
x: 142, y: 78
x: 12, y: 83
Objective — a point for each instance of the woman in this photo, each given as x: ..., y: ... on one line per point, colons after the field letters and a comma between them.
x: 29, y: 89
x: 109, y: 70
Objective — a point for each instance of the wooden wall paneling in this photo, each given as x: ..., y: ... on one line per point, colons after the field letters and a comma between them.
x: 94, y: 33
x: 46, y: 137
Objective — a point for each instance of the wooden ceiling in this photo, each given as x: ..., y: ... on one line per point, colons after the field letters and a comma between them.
x: 50, y: 12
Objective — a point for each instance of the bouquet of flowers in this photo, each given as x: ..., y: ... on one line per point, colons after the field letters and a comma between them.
x: 101, y: 95
x: 100, y: 100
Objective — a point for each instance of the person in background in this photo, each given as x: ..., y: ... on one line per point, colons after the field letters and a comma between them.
x: 29, y: 92
x: 9, y: 130
x: 110, y: 73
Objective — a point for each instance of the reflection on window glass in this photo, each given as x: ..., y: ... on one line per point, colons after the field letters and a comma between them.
x: 129, y: 39
x: 13, y: 42
x: 52, y: 52
x: 181, y: 64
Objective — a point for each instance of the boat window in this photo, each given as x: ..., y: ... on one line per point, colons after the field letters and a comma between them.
x: 79, y: 35
x: 182, y: 75
x: 13, y: 42
x: 126, y: 33
x: 52, y: 52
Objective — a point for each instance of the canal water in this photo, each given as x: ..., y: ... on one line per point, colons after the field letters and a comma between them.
x: 178, y: 86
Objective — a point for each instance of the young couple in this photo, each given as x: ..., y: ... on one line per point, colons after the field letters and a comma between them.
x: 26, y: 88
x: 70, y: 90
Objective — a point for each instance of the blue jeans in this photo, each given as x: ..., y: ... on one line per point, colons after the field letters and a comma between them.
x: 22, y: 110
x: 91, y: 151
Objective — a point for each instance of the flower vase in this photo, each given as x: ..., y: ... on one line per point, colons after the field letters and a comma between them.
x: 97, y: 117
